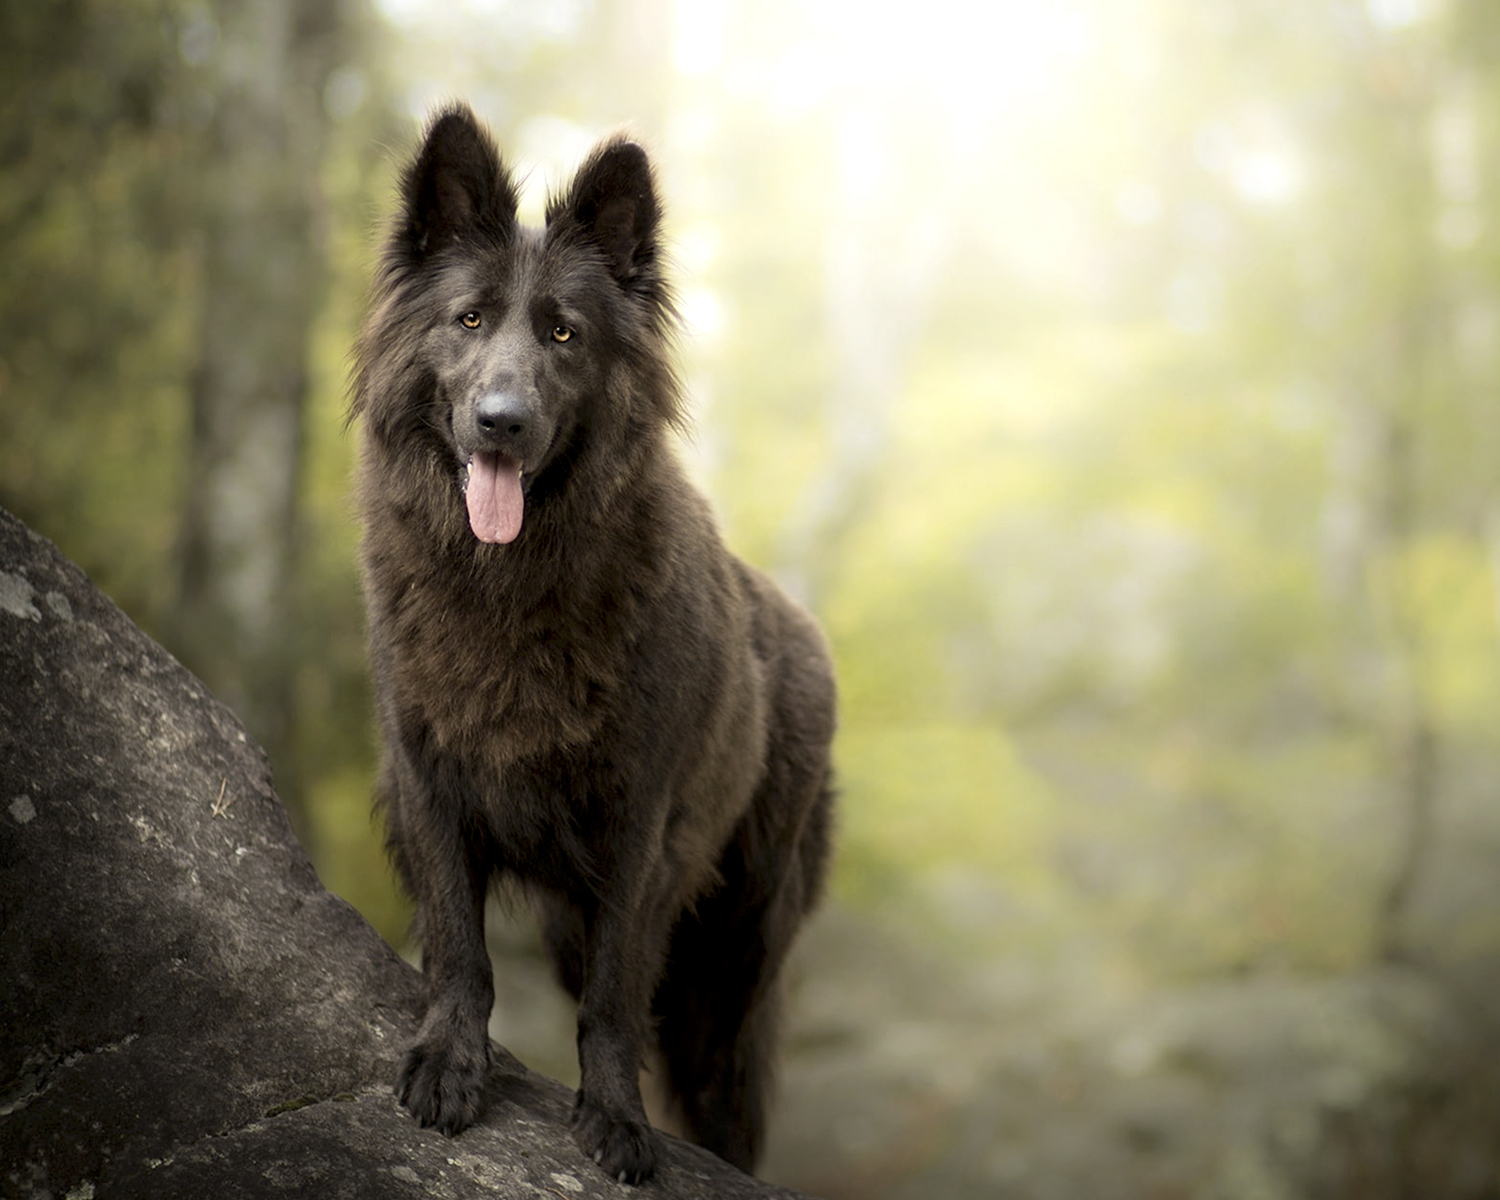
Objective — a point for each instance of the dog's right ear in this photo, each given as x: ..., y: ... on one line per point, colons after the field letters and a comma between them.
x: 456, y: 185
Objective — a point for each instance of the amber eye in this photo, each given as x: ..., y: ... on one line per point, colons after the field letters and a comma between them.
x: 561, y: 333
x: 470, y: 320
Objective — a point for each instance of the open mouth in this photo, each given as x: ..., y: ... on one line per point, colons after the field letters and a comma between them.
x: 492, y: 492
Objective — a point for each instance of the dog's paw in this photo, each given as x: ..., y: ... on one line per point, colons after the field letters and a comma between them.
x: 625, y: 1150
x: 442, y: 1086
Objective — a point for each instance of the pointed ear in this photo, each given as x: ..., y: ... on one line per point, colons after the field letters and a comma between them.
x: 613, y: 201
x: 456, y: 184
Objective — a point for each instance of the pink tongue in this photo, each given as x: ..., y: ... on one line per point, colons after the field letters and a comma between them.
x: 494, y: 497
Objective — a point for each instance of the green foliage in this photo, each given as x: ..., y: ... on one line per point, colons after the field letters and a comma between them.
x: 93, y: 277
x: 939, y: 800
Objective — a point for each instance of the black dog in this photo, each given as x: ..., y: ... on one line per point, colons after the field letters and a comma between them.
x: 580, y: 690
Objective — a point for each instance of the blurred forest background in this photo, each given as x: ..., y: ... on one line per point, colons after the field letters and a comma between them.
x: 1117, y: 380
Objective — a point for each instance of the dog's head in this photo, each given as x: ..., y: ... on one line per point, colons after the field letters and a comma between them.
x: 516, y: 348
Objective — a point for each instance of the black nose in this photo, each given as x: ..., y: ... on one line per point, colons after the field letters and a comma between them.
x: 501, y: 415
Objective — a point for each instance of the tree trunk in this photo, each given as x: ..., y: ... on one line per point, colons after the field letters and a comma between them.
x: 263, y: 271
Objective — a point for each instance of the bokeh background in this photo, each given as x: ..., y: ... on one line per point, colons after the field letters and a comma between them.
x: 1115, y: 379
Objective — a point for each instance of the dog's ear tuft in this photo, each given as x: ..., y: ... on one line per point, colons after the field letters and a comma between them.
x: 457, y: 184
x: 613, y: 202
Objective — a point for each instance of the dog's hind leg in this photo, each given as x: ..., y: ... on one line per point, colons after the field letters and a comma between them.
x: 562, y: 937
x: 718, y: 1005
x: 716, y: 1015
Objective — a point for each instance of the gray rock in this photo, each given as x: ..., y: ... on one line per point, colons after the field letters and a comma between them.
x: 185, y: 1011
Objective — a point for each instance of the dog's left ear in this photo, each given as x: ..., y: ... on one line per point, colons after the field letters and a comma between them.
x: 613, y: 202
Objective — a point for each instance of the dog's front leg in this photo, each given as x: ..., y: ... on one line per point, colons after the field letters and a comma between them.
x: 442, y: 1078
x: 625, y: 937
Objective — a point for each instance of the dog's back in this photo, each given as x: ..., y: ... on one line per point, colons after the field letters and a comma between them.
x: 579, y: 688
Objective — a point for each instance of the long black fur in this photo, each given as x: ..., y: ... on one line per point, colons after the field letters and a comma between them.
x: 610, y: 711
